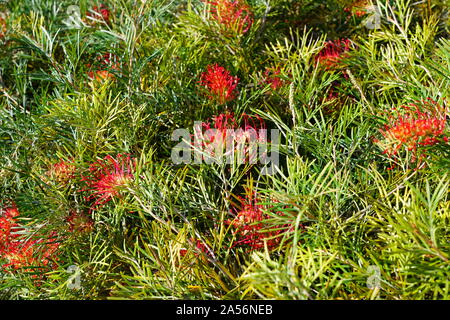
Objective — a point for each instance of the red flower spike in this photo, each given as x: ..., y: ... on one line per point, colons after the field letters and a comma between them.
x: 414, y: 127
x: 250, y: 228
x: 272, y: 77
x: 108, y: 177
x: 20, y: 253
x: 79, y: 222
x: 219, y: 83
x: 98, y: 13
x: 3, y: 28
x: 62, y: 171
x: 198, y: 245
x: 234, y: 16
x: 334, y: 52
x: 105, y: 63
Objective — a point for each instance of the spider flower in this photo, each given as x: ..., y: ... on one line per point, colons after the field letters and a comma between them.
x: 219, y: 83
x: 108, y: 178
x: 331, y: 56
x: 97, y: 13
x: 2, y: 28
x: 103, y: 67
x: 414, y: 127
x: 19, y: 252
x: 62, y: 171
x: 79, y: 223
x: 250, y: 225
x: 358, y: 8
x: 234, y: 16
x: 8, y: 226
x: 272, y: 77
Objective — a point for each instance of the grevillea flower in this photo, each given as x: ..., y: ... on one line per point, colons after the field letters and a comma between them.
x: 20, y: 252
x: 414, y: 126
x: 225, y: 137
x: 251, y: 227
x: 8, y: 227
x: 219, y: 83
x: 199, y: 245
x: 79, y: 222
x: 358, y: 8
x: 2, y: 28
x: 272, y: 77
x: 333, y: 53
x: 234, y: 16
x: 62, y: 171
x: 108, y: 177
x: 102, y: 67
x: 99, y: 13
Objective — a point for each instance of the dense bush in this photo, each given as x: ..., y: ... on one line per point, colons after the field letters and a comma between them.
x: 93, y: 205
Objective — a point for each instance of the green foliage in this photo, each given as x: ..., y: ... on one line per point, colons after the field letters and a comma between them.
x: 340, y: 206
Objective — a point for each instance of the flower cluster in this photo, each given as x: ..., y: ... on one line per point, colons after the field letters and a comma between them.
x: 101, y: 13
x: 234, y: 16
x: 414, y: 127
x: 333, y: 53
x: 104, y: 64
x: 272, y: 77
x: 108, y: 177
x: 219, y: 83
x: 250, y: 226
x: 23, y: 253
x: 79, y: 222
x: 225, y: 137
x: 2, y: 28
x: 62, y: 172
x: 199, y: 245
x: 358, y: 8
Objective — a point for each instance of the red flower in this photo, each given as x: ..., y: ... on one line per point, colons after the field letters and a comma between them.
x: 2, y: 28
x: 272, y: 77
x: 250, y: 225
x: 200, y: 247
x: 104, y: 64
x: 62, y: 171
x: 414, y: 127
x: 358, y: 8
x: 108, y: 177
x: 235, y: 16
x: 219, y: 83
x: 97, y: 13
x: 8, y: 227
x: 18, y: 252
x: 334, y: 52
x: 79, y: 222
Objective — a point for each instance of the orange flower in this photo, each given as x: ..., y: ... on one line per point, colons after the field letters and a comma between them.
x: 414, y: 127
x: 234, y: 16
x: 62, y: 171
x: 2, y: 28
